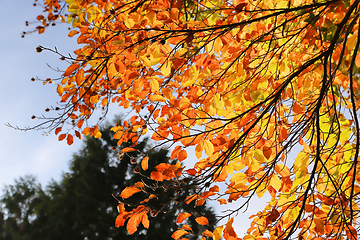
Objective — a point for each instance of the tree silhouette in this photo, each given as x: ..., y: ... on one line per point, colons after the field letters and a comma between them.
x: 80, y: 206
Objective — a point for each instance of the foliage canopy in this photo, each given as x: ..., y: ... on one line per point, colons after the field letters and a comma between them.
x: 266, y: 91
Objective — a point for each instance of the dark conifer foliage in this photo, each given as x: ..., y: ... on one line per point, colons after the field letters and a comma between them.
x: 81, y: 205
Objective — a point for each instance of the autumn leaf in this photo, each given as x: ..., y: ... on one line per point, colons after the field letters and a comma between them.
x: 57, y: 130
x: 182, y: 155
x: 133, y: 222
x: 178, y: 234
x: 144, y: 163
x: 202, y: 220
x: 182, y: 216
x: 70, y: 139
x: 71, y: 69
x: 129, y: 191
x: 62, y: 137
x: 72, y: 33
x: 127, y: 149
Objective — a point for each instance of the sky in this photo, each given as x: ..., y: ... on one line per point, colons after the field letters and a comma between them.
x: 32, y: 152
x: 29, y: 152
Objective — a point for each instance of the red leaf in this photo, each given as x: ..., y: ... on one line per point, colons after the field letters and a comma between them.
x: 58, y: 130
x: 192, y: 171
x: 77, y: 134
x: 62, y: 137
x: 70, y: 139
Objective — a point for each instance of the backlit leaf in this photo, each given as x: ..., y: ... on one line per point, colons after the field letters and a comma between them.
x: 202, y: 220
x: 144, y: 163
x: 127, y: 149
x: 182, y: 216
x: 129, y: 191
x: 71, y: 69
x: 178, y: 234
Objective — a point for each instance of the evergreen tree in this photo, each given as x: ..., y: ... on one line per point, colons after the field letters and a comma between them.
x: 81, y: 205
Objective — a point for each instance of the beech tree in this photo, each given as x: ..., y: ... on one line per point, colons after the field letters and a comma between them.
x: 265, y: 92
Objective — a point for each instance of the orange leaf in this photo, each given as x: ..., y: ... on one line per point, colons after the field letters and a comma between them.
x: 58, y: 130
x: 229, y: 232
x: 182, y: 216
x: 62, y: 137
x: 283, y: 133
x: 60, y: 90
x: 133, y: 222
x: 128, y: 149
x: 186, y: 227
x: 145, y: 220
x: 192, y: 171
x: 145, y: 163
x: 71, y: 69
x: 298, y: 109
x: 128, y: 192
x: 72, y: 33
x: 351, y: 233
x: 207, y: 233
x: 41, y: 30
x: 80, y: 123
x: 157, y: 176
x: 199, y: 201
x: 202, y: 220
x: 70, y: 139
x: 178, y: 233
x: 182, y: 155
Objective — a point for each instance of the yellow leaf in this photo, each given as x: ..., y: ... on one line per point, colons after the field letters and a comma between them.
x: 282, y: 170
x: 154, y: 85
x: 219, y: 103
x: 259, y: 156
x: 60, y: 90
x: 275, y: 182
x: 97, y: 135
x: 209, y: 147
x: 166, y: 69
x: 218, y: 233
x: 157, y: 98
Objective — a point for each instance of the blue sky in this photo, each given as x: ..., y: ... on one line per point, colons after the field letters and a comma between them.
x: 29, y: 152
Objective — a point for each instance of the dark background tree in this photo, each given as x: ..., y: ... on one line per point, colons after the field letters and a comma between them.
x: 80, y: 206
